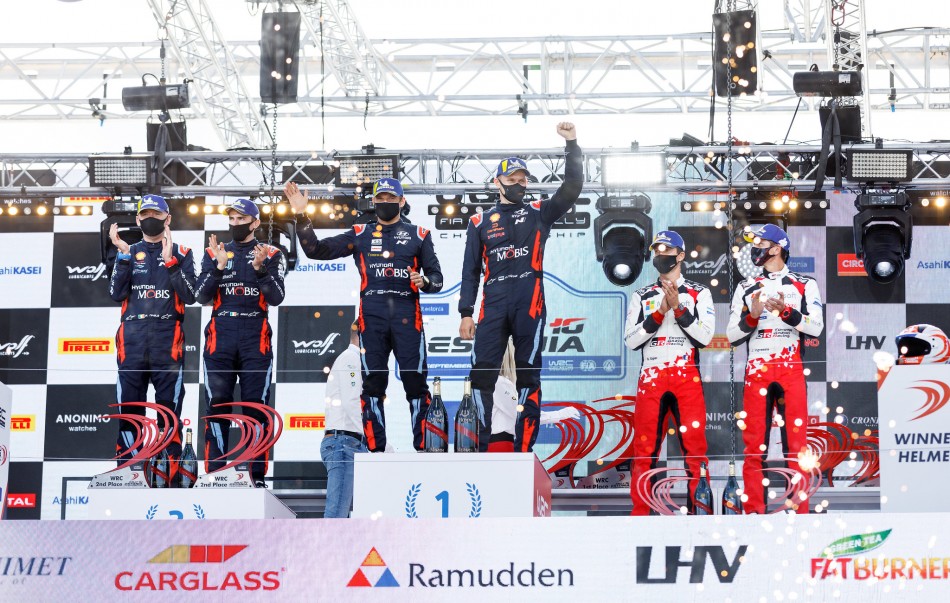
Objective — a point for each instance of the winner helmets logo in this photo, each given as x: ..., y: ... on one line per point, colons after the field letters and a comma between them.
x: 16, y: 349
x: 203, y: 567
x: 937, y: 395
x: 85, y: 346
x: 88, y: 273
x: 373, y: 572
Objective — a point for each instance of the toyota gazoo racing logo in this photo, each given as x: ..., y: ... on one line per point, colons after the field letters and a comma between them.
x: 315, y: 346
x: 659, y: 342
x: 390, y: 271
x: 91, y: 273
x: 150, y: 292
x: 16, y: 349
x: 510, y: 252
x: 202, y: 567
x: 937, y: 395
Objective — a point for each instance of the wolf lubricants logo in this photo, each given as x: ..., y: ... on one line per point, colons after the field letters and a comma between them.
x: 843, y: 559
x: 193, y: 568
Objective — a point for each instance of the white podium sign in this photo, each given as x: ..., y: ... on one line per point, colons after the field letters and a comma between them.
x: 6, y: 414
x: 186, y: 503
x: 914, y: 417
x: 417, y: 485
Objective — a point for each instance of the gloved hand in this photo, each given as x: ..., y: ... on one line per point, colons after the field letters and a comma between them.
x: 556, y: 416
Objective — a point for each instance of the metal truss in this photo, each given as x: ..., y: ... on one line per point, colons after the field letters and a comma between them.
x: 482, y: 77
x: 806, y: 19
x: 450, y: 172
x: 331, y: 26
x: 204, y: 56
x: 848, y: 49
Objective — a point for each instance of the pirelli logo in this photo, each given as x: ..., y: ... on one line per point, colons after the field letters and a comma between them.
x: 86, y: 346
x: 306, y: 422
x: 23, y: 423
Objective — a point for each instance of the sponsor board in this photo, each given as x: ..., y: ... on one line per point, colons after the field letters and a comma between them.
x: 319, y: 334
x: 575, y: 346
x: 79, y: 278
x: 855, y: 557
x: 23, y: 346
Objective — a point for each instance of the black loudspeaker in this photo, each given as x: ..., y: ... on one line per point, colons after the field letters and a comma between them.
x: 744, y: 58
x: 176, y: 139
x: 849, y: 120
x: 280, y: 46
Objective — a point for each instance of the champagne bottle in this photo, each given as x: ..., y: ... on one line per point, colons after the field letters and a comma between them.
x: 466, y: 422
x: 161, y: 464
x: 702, y: 498
x: 187, y: 464
x: 731, y: 501
x: 437, y: 421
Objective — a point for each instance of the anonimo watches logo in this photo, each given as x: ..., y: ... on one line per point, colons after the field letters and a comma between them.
x: 193, y: 569
x: 374, y: 573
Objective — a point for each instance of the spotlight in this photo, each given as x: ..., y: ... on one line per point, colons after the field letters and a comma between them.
x: 120, y: 171
x: 880, y: 165
x: 883, y: 234
x: 622, y: 234
x: 192, y: 209
x: 365, y: 169
x: 827, y: 83
x: 156, y: 98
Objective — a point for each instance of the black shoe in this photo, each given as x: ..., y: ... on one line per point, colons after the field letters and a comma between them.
x: 260, y: 484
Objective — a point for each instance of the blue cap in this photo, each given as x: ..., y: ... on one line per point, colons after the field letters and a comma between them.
x: 670, y: 238
x: 155, y: 202
x: 768, y: 232
x: 387, y: 185
x: 246, y: 207
x: 509, y: 166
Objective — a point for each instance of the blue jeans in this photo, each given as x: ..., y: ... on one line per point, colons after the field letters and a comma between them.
x: 337, y: 453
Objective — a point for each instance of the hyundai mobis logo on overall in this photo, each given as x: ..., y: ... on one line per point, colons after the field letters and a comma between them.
x: 203, y: 567
x: 375, y: 573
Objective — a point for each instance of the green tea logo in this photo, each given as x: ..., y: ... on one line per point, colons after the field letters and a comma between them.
x: 855, y: 545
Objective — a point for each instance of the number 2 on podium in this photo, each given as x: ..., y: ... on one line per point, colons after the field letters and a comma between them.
x: 443, y: 497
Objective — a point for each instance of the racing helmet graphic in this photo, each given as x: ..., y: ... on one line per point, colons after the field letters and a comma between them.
x: 922, y: 344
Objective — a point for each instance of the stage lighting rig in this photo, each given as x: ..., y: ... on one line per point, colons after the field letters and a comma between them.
x: 880, y: 165
x: 622, y: 235
x: 165, y: 97
x: 883, y: 233
x: 125, y: 171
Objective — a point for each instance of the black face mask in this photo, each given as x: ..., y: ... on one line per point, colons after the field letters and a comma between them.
x: 760, y: 256
x: 513, y: 192
x: 664, y: 263
x: 152, y: 226
x: 387, y: 211
x: 239, y: 232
